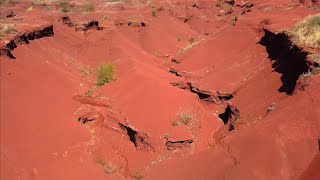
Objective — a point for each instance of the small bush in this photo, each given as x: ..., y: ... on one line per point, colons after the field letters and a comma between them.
x: 191, y: 40
x: 184, y: 116
x: 307, y: 32
x: 89, y: 92
x: 179, y: 39
x: 89, y: 8
x: 105, y: 74
x: 7, y: 28
x: 175, y: 123
x: 154, y: 13
x: 315, y: 58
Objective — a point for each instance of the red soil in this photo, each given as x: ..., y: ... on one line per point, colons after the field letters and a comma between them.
x: 56, y: 125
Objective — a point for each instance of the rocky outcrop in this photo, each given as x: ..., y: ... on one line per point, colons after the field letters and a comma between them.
x: 83, y: 26
x: 24, y: 38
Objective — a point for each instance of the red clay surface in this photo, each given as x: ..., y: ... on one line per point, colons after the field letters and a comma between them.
x: 194, y: 58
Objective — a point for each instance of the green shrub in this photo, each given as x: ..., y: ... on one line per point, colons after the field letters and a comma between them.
x: 307, y: 32
x: 191, y: 40
x: 154, y: 13
x: 105, y: 74
x: 184, y: 116
x: 175, y: 123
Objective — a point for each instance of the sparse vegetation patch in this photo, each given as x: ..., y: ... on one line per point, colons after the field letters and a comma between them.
x: 307, y: 32
x: 7, y: 28
x: 191, y: 40
x: 65, y: 6
x: 105, y: 74
x: 154, y: 13
x: 89, y: 8
x: 184, y: 116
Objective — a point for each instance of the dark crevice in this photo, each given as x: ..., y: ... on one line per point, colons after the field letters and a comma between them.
x: 175, y: 61
x: 10, y: 55
x: 287, y: 59
x: 11, y: 15
x: 183, y: 144
x: 136, y: 24
x: 225, y: 97
x: 139, y: 139
x: 226, y: 115
x: 195, y: 6
x: 80, y: 27
x: 67, y: 21
x: 24, y: 39
x: 231, y: 2
x: 85, y: 120
x: 203, y: 95
x: 175, y: 72
x: 131, y: 134
x: 89, y: 25
x: 230, y: 116
x: 180, y: 85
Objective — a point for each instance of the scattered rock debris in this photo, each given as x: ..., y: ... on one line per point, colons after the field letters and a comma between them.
x: 136, y: 24
x: 11, y: 15
x: 93, y: 24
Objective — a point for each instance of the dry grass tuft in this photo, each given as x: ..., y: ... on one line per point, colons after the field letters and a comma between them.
x: 184, y: 116
x: 7, y: 28
x: 307, y: 32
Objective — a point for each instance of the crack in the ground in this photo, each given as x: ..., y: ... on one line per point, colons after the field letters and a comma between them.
x: 182, y: 144
x: 139, y: 139
x: 204, y: 95
x: 230, y: 116
x: 24, y: 39
x: 287, y: 59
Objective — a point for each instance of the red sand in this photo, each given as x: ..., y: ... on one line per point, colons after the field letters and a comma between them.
x: 128, y: 128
